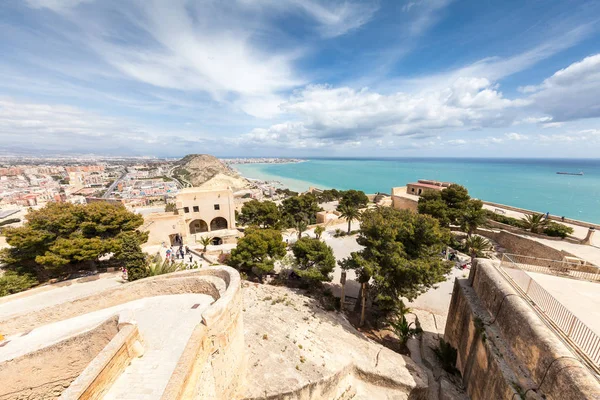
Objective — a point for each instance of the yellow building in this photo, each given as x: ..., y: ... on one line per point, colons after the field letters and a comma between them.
x: 200, y: 212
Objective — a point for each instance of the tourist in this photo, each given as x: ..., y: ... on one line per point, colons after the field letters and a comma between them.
x: 187, y: 250
x: 190, y: 258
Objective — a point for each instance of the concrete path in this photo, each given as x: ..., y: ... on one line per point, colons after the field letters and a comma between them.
x: 146, y: 312
x: 58, y: 294
x: 580, y: 297
x: 165, y: 324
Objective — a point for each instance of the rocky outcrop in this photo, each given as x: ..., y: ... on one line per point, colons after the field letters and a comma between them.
x: 204, y: 170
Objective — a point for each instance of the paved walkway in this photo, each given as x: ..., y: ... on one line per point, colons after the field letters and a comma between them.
x: 57, y: 294
x: 165, y: 324
x: 580, y: 297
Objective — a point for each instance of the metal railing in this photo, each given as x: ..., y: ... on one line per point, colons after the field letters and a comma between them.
x: 584, y: 270
x: 583, y: 340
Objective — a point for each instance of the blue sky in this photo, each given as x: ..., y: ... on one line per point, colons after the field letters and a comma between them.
x: 303, y: 78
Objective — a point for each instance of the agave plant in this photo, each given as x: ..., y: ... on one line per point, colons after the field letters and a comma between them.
x: 403, y: 329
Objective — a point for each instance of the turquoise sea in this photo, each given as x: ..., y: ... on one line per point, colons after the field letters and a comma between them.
x: 527, y: 183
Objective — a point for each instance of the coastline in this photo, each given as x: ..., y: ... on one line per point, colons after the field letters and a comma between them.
x: 254, y: 174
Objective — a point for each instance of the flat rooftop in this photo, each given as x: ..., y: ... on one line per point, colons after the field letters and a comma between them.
x: 582, y: 298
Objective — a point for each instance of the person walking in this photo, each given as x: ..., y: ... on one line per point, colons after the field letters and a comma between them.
x: 187, y: 250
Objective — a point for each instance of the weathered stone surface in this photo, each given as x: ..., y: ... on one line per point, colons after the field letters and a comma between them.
x: 504, y: 349
x: 45, y: 373
x: 296, y: 350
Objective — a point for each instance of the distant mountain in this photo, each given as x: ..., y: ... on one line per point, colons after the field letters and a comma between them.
x: 207, y: 171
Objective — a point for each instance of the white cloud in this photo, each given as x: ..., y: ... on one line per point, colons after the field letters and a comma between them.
x: 56, y: 5
x: 35, y: 127
x: 516, y: 136
x: 327, y: 114
x: 333, y: 17
x: 572, y: 92
x: 426, y: 13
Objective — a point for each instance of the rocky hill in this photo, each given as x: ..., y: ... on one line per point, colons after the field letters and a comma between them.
x: 204, y: 170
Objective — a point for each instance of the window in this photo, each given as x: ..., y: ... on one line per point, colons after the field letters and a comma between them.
x: 217, y: 207
x: 412, y: 190
x: 186, y: 209
x: 196, y: 209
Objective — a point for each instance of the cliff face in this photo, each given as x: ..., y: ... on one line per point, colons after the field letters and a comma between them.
x: 203, y: 169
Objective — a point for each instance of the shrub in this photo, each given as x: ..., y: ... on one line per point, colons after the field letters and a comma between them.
x: 339, y: 233
x: 446, y: 354
x: 11, y: 282
x: 558, y: 230
x: 224, y: 258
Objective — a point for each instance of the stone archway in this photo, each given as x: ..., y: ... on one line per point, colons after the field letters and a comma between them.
x: 198, y: 226
x: 217, y: 241
x: 218, y: 223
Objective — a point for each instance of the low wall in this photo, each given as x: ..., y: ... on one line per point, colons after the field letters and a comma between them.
x: 504, y: 349
x: 97, y: 378
x: 211, y: 366
x: 403, y: 203
x: 516, y: 244
x: 161, y: 285
x: 552, y: 217
x: 213, y: 362
x: 45, y: 373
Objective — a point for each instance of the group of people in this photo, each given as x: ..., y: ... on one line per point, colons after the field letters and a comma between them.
x: 179, y: 253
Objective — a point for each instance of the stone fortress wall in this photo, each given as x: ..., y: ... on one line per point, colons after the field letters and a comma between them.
x: 211, y: 365
x: 505, y: 351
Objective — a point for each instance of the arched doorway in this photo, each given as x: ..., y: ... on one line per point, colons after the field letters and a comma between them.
x: 198, y: 226
x: 218, y: 223
x: 216, y: 241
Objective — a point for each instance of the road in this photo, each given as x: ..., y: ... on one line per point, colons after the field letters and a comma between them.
x: 112, y: 187
x: 181, y: 183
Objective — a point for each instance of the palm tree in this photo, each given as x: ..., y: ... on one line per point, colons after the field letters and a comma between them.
x: 205, y: 241
x: 350, y: 213
x: 477, y: 245
x: 156, y: 266
x: 301, y: 227
x: 534, y: 222
x: 471, y: 219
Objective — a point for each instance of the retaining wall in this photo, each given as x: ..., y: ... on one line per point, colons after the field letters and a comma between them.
x: 97, y: 378
x: 44, y: 374
x: 516, y: 244
x: 504, y: 348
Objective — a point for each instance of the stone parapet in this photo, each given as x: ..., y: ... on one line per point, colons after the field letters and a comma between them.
x: 95, y: 381
x: 504, y: 348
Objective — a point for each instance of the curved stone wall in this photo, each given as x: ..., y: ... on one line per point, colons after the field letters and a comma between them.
x: 213, y: 360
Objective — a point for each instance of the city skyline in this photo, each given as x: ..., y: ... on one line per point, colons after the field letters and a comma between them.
x: 300, y: 78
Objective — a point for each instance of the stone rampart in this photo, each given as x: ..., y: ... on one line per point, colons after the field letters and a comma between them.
x: 211, y: 366
x: 213, y: 361
x: 516, y: 244
x: 175, y: 283
x: 45, y: 373
x: 504, y: 348
x: 95, y: 381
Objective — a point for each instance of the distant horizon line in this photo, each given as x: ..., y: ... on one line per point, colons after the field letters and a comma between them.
x: 295, y: 157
